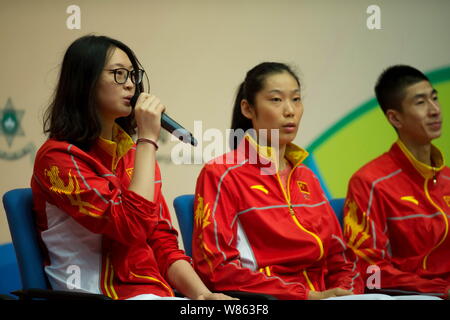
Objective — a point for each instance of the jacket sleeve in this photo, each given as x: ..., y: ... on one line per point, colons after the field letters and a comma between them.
x: 216, y: 257
x: 67, y: 178
x: 366, y: 235
x: 341, y: 261
x: 164, y: 241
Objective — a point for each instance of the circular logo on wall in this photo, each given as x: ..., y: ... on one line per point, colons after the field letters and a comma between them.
x: 10, y: 128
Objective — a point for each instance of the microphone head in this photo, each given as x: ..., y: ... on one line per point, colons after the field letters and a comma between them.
x: 184, y: 136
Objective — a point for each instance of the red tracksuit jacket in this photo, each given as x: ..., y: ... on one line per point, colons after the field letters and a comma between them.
x: 252, y: 235
x: 101, y: 237
x: 396, y: 217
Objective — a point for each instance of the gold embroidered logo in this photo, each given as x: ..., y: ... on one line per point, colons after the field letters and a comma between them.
x: 72, y: 190
x: 260, y: 188
x: 130, y: 172
x: 303, y: 186
x: 201, y: 219
x: 202, y: 214
x: 356, y: 231
x: 410, y: 199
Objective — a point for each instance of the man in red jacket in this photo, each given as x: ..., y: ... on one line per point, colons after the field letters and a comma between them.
x: 398, y: 205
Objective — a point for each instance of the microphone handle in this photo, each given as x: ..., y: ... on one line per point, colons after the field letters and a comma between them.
x: 171, y: 126
x: 177, y: 130
x: 168, y: 123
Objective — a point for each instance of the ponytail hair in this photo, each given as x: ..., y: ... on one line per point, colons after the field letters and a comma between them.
x: 253, y: 83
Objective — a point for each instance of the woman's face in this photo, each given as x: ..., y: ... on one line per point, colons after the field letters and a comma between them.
x: 113, y: 99
x: 277, y: 106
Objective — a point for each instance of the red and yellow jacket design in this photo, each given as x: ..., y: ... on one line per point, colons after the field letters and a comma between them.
x: 121, y: 244
x: 252, y: 235
x: 397, y: 217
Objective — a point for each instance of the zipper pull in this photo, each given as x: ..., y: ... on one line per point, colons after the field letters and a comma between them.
x: 291, y: 211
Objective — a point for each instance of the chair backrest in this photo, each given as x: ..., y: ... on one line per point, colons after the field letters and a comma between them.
x: 184, y: 209
x: 9, y: 270
x: 338, y: 206
x: 18, y: 205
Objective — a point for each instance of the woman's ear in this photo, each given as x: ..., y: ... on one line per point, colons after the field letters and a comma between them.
x: 394, y: 118
x: 247, y: 110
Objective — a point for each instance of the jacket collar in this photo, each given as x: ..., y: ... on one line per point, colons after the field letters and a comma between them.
x: 423, y: 169
x: 293, y: 153
x: 120, y: 144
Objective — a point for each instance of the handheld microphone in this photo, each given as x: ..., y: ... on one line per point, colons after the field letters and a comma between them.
x: 170, y: 125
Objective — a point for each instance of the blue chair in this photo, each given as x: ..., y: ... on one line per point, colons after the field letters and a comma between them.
x: 18, y: 204
x: 338, y: 206
x: 184, y: 209
x: 9, y: 271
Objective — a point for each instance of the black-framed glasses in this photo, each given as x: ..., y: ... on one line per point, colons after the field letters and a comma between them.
x: 121, y: 75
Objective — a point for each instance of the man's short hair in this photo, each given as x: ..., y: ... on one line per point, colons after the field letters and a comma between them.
x: 391, y: 85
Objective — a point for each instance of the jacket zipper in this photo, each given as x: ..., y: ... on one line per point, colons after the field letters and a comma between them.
x: 292, y: 212
x: 310, y: 284
x: 427, y: 194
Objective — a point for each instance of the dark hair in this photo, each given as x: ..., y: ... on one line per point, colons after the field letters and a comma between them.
x: 391, y: 85
x: 253, y: 83
x: 72, y: 115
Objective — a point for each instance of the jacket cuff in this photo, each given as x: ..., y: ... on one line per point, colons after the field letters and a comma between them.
x: 140, y: 205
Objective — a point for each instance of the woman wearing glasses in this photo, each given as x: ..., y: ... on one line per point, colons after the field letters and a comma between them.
x: 97, y: 194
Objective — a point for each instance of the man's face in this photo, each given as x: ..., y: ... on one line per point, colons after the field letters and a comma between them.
x: 420, y: 119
